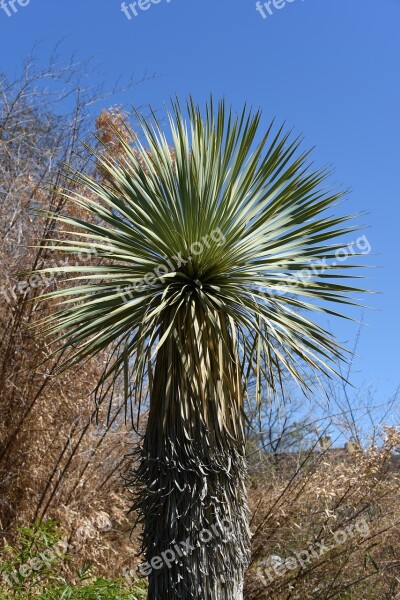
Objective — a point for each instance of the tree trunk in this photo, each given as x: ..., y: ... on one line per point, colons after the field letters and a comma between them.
x: 195, y: 524
x: 194, y: 512
x: 190, y: 488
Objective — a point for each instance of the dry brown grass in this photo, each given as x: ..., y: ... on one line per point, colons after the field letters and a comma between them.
x: 354, y: 497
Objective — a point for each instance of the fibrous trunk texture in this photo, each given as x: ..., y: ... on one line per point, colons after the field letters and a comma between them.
x: 190, y: 481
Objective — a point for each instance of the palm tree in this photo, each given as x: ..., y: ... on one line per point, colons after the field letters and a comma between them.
x: 210, y: 252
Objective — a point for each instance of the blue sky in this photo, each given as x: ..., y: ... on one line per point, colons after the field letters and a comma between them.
x: 330, y: 68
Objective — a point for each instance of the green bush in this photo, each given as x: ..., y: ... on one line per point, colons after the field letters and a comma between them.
x: 33, y: 567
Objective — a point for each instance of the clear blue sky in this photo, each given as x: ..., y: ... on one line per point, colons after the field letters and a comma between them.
x: 330, y: 68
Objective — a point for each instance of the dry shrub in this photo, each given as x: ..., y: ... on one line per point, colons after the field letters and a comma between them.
x: 346, y: 508
x: 59, y: 456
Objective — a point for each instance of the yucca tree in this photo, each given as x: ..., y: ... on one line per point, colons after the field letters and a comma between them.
x: 202, y: 244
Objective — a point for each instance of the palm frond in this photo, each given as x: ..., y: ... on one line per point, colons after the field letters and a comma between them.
x: 257, y: 211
